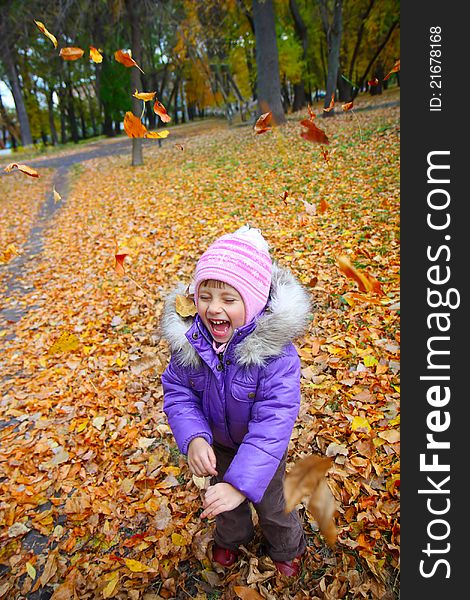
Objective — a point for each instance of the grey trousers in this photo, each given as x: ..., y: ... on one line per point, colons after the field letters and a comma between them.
x: 283, y: 533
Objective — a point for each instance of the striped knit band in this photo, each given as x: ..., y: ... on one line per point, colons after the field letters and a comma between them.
x: 242, y: 260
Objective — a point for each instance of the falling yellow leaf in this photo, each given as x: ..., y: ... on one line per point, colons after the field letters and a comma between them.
x: 145, y: 96
x: 43, y: 29
x: 56, y: 195
x: 157, y: 134
x: 66, y: 342
x: 95, y: 55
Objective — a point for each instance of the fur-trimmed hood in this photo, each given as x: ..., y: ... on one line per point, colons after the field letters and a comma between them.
x: 284, y: 319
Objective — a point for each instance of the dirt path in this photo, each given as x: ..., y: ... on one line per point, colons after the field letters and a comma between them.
x: 15, y: 284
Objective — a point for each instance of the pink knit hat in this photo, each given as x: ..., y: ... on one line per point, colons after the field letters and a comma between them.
x: 242, y: 260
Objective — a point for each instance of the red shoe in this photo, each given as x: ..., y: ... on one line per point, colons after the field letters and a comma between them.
x: 224, y: 556
x: 291, y: 568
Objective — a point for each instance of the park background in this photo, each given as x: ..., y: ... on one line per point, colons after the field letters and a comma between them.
x: 96, y: 501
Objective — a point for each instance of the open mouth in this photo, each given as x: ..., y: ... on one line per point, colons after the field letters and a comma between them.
x: 219, y: 328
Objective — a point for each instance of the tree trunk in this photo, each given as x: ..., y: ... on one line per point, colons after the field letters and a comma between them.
x: 136, y: 81
x: 267, y: 60
x: 13, y: 78
x: 8, y: 125
x: 300, y: 99
x: 333, y: 36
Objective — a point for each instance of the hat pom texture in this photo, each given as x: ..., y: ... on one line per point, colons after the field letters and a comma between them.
x: 240, y: 259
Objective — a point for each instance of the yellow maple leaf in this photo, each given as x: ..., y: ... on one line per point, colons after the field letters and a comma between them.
x: 360, y: 424
x: 136, y: 566
x: 66, y: 342
x: 108, y: 590
x: 178, y: 539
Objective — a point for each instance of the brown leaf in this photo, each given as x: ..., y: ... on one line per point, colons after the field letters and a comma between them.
x: 263, y: 123
x: 313, y: 133
x: 126, y: 59
x: 71, y: 53
x: 185, y: 306
x: 120, y: 255
x: 247, y: 593
x: 23, y: 168
x: 307, y: 478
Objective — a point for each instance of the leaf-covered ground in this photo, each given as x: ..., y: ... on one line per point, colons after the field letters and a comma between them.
x: 95, y: 499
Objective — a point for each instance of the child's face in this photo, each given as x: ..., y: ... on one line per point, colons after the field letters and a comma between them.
x: 221, y: 309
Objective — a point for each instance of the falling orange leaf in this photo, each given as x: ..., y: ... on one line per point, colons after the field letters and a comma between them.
x: 43, y: 29
x: 263, y: 123
x: 394, y: 69
x: 23, y: 168
x: 323, y: 206
x: 126, y: 59
x: 283, y: 196
x: 365, y: 282
x: 313, y: 133
x: 311, y: 114
x: 347, y: 106
x: 331, y: 105
x: 307, y: 478
x: 133, y: 126
x: 71, y: 53
x: 120, y: 255
x: 160, y: 110
x: 145, y: 96
x: 95, y: 55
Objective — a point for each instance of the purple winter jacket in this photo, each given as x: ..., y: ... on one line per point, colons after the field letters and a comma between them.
x: 249, y: 398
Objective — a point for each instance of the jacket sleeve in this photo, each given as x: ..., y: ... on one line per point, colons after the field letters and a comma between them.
x: 270, y: 428
x: 183, y: 407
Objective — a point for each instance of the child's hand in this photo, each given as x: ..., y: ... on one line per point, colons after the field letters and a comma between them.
x: 219, y: 498
x: 201, y: 458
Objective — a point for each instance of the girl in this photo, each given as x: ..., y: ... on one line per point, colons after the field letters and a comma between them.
x: 232, y: 391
